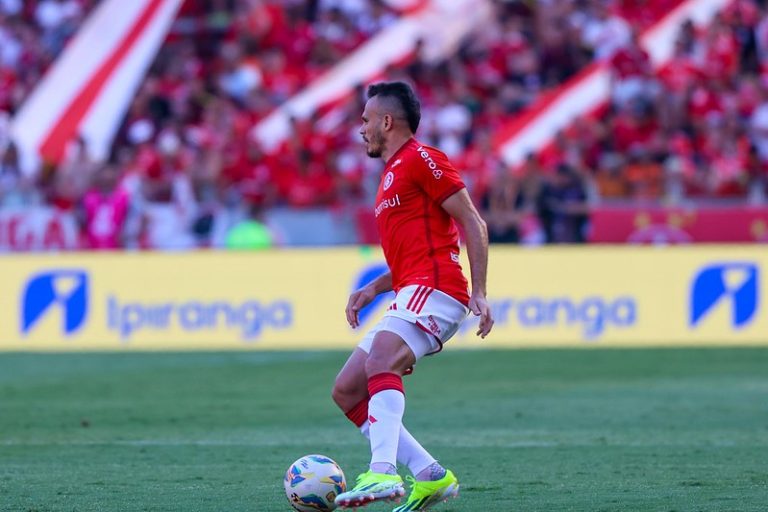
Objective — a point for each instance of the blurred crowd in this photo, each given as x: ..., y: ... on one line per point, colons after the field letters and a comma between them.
x: 696, y: 129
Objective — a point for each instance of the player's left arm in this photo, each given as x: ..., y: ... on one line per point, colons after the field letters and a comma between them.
x: 459, y: 206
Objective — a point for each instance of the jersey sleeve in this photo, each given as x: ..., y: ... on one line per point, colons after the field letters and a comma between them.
x: 436, y: 176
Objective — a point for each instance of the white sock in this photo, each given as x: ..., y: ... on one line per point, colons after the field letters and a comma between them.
x: 385, y: 413
x: 409, y: 452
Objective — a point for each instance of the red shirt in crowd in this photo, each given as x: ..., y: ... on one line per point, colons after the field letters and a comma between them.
x: 680, y: 73
x: 631, y: 62
x: 419, y: 238
x: 722, y: 55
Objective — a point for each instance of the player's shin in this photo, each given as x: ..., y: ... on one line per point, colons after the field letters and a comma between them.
x: 410, y: 453
x: 385, y: 414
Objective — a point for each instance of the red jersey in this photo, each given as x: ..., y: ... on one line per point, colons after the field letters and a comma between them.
x: 419, y: 238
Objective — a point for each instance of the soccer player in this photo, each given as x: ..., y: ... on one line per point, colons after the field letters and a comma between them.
x: 420, y: 199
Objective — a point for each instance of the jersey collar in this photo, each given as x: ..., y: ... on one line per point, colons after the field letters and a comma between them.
x: 406, y: 144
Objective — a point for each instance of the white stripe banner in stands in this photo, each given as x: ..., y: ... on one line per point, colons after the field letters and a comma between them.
x: 440, y: 24
x: 91, y: 84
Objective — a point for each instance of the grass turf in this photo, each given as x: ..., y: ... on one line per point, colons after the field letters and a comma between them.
x: 551, y: 430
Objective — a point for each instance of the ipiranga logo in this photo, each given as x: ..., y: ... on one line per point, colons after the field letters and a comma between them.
x: 72, y: 293
x: 63, y: 290
x: 734, y: 282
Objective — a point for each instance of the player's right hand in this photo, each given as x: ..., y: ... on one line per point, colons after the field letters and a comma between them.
x: 357, y: 301
x: 479, y: 306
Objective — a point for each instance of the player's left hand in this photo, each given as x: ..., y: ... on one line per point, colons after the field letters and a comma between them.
x: 478, y: 304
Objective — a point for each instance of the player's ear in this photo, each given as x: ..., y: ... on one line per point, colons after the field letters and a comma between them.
x: 388, y: 121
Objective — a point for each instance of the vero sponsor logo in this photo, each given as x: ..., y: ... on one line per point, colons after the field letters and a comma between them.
x: 65, y: 291
x: 436, y: 171
x: 734, y: 283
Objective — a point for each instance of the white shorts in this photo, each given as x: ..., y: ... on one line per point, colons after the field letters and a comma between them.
x: 423, y: 317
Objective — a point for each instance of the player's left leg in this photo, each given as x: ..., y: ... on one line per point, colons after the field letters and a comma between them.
x: 388, y: 359
x: 350, y: 389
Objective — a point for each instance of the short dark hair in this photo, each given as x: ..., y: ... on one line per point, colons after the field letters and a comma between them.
x: 405, y: 97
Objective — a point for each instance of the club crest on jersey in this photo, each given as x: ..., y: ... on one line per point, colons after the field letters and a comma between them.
x: 388, y: 179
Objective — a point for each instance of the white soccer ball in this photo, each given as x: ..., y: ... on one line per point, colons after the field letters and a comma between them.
x: 313, y: 482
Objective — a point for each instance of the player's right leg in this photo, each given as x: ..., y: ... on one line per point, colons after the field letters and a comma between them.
x: 350, y: 392
x: 430, y: 484
x: 372, y: 486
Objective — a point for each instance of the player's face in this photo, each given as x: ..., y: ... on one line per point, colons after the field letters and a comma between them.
x: 372, y: 130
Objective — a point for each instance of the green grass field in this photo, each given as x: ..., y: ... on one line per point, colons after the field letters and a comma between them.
x: 550, y: 430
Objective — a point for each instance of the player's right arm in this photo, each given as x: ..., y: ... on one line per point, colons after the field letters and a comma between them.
x: 362, y: 297
x: 460, y: 207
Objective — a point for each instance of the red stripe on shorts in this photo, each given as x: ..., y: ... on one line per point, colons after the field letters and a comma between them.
x: 423, y: 301
x: 413, y: 297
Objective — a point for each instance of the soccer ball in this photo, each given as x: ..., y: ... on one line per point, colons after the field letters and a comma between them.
x: 313, y: 482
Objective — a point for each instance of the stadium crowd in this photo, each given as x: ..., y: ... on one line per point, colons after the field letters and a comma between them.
x: 696, y: 129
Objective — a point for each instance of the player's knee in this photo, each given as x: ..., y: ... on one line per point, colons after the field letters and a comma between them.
x: 383, y: 361
x: 345, y: 395
x: 338, y: 394
x: 389, y: 354
x: 377, y: 364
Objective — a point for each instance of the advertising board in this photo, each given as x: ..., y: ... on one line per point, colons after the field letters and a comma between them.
x: 295, y: 299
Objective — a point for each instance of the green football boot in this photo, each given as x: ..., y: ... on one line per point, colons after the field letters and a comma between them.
x: 425, y: 494
x: 371, y: 487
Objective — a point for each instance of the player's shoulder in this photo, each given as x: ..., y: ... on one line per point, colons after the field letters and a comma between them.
x: 422, y: 156
x: 425, y: 151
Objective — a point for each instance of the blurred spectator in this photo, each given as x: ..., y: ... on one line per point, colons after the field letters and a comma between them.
x: 105, y: 210
x: 610, y: 178
x: 759, y: 127
x: 644, y: 175
x: 603, y: 31
x: 16, y: 188
x: 251, y: 233
x: 631, y: 73
x: 73, y: 175
x: 503, y: 207
x: 563, y: 207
